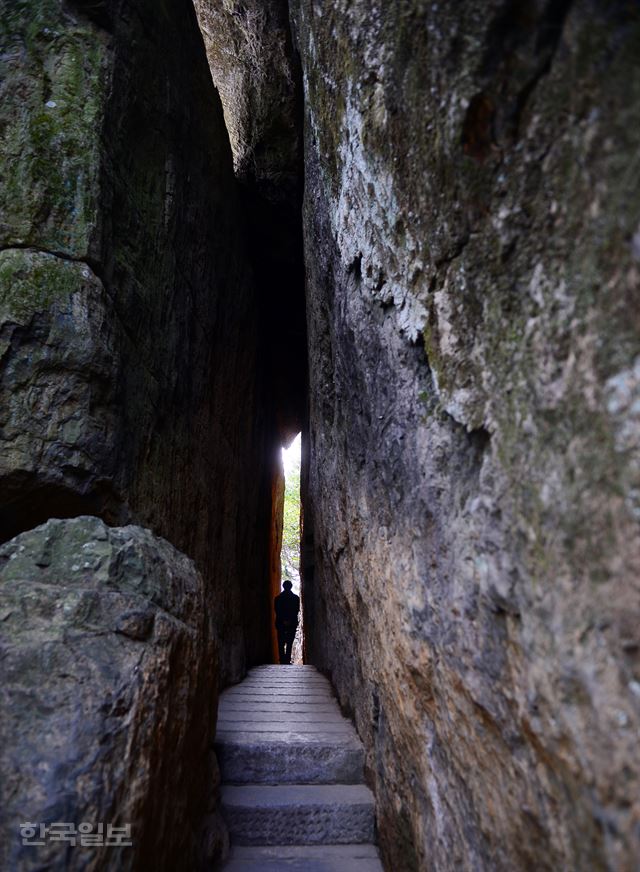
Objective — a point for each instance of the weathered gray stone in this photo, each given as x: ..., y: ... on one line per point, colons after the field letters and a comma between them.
x: 471, y: 516
x: 283, y: 726
x: 304, y: 858
x: 130, y: 386
x: 300, y: 814
x: 108, y: 697
x: 249, y: 759
x: 293, y: 780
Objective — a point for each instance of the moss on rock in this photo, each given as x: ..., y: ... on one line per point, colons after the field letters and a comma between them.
x: 54, y: 91
x: 32, y: 282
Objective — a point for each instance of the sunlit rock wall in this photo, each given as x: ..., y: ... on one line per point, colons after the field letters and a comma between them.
x: 129, y: 382
x: 472, y: 508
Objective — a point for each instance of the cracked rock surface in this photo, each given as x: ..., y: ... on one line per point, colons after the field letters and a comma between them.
x: 471, y: 509
x: 129, y: 382
x: 108, y: 697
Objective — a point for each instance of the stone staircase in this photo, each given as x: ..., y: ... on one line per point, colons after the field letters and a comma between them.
x: 293, y: 793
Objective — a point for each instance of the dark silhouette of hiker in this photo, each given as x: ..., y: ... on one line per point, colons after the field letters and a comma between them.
x: 287, y: 606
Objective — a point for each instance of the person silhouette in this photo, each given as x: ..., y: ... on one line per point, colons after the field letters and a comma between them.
x: 287, y: 607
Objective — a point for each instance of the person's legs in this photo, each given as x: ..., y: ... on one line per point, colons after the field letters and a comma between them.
x: 282, y: 639
x: 288, y: 645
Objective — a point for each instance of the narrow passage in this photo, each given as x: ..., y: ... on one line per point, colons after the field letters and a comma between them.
x: 293, y: 792
x: 291, y: 533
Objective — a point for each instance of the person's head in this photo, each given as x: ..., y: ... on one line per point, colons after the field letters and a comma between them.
x: 286, y: 584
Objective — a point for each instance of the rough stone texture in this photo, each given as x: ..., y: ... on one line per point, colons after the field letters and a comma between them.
x: 471, y: 500
x: 257, y: 73
x: 282, y: 725
x: 276, y: 758
x: 304, y: 858
x: 108, y: 697
x: 130, y: 376
x: 301, y: 814
x: 250, y: 55
x: 472, y: 482
x: 292, y: 772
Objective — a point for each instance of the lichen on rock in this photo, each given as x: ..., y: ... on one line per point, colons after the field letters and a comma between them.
x: 55, y: 75
x: 130, y: 315
x: 472, y: 304
x: 31, y: 281
x: 109, y: 686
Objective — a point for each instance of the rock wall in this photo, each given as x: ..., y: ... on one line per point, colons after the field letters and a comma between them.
x: 471, y: 484
x: 471, y: 500
x: 130, y: 382
x: 132, y: 388
x: 257, y: 72
x: 108, y: 697
x: 253, y: 66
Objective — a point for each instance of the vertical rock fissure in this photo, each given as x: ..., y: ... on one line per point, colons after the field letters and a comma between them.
x: 257, y: 72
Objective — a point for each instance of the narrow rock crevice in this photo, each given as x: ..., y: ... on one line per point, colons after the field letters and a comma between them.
x: 257, y: 71
x: 409, y: 231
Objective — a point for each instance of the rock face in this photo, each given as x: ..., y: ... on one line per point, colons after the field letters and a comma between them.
x: 471, y: 484
x: 256, y: 70
x: 252, y: 64
x: 471, y: 507
x: 108, y: 697
x: 130, y: 382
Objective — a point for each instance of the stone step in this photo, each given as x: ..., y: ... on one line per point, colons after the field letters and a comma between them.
x: 287, y: 674
x: 292, y: 777
x: 281, y: 692
x: 306, y: 680
x: 275, y: 726
x: 282, y: 735
x: 277, y: 692
x: 299, y: 814
x: 286, y: 697
x: 276, y: 669
x: 319, y: 707
x: 304, y: 858
x: 258, y: 715
x: 277, y: 759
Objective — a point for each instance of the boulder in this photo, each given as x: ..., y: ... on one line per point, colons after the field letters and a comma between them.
x: 108, y: 696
